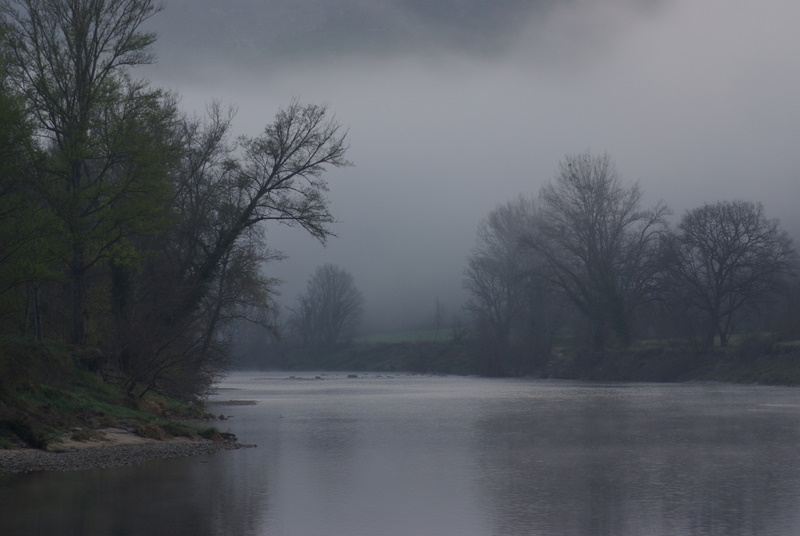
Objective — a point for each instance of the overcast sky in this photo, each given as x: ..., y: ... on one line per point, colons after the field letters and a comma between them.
x: 455, y: 106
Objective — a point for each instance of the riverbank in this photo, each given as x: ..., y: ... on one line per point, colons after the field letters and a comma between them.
x: 115, y: 447
x: 750, y: 360
x: 66, y: 417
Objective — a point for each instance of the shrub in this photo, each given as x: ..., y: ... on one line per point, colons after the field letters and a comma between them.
x: 179, y: 429
x: 151, y: 431
x: 212, y: 434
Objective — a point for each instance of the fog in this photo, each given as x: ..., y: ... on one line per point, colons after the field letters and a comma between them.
x: 456, y: 106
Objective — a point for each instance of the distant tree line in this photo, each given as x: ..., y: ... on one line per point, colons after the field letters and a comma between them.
x: 131, y: 233
x: 583, y: 263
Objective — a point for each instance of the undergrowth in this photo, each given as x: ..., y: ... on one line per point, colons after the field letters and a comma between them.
x: 45, y: 395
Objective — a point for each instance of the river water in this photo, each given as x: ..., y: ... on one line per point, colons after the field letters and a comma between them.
x: 424, y: 456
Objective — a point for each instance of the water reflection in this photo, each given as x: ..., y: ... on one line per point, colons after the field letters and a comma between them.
x: 368, y: 460
x: 453, y: 456
x: 179, y: 496
x: 640, y: 460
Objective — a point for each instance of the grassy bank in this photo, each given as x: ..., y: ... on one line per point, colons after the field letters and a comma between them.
x: 751, y: 361
x: 47, y: 395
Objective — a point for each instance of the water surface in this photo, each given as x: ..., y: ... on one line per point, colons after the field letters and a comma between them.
x: 414, y: 455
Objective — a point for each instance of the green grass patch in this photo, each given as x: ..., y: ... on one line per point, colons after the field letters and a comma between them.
x: 210, y: 433
x: 180, y: 429
x: 47, y: 393
x: 36, y: 413
x: 84, y: 401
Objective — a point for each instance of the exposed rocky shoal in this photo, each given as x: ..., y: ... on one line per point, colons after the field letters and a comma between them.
x: 103, y: 456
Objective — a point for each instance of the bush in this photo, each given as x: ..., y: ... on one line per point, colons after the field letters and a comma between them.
x: 151, y: 431
x: 179, y: 429
x: 753, y: 346
x: 212, y: 434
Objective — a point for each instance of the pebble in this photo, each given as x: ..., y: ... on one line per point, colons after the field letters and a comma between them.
x: 26, y: 461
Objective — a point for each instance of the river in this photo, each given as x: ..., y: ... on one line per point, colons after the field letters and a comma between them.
x: 401, y: 455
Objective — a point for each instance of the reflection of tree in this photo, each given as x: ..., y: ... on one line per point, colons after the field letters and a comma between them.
x: 203, y: 496
x: 563, y: 460
x: 609, y: 463
x: 325, y: 432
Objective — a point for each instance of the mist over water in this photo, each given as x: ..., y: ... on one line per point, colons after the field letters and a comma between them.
x: 443, y: 456
x: 453, y: 107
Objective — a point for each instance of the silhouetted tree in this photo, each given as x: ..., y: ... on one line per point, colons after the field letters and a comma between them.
x: 331, y: 307
x: 508, y: 293
x: 723, y: 258
x: 439, y: 313
x: 206, y: 269
x: 600, y: 246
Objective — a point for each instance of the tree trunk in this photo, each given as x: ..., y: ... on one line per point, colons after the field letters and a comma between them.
x: 598, y: 336
x: 79, y: 314
x: 37, y: 315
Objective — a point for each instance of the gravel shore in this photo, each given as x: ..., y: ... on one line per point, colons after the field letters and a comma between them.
x: 102, y: 456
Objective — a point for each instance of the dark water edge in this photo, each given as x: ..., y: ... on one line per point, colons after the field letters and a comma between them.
x: 759, y: 362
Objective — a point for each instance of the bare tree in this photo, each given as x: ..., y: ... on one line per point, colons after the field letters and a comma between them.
x: 331, y: 307
x: 439, y: 313
x: 205, y: 272
x: 723, y: 258
x: 276, y: 176
x: 601, y: 247
x: 498, y: 265
x: 507, y: 290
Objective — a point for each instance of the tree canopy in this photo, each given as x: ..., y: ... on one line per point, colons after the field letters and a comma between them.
x: 723, y: 258
x: 144, y: 227
x: 585, y: 240
x: 601, y: 246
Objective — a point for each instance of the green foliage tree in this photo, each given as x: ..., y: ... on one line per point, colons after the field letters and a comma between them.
x: 156, y: 220
x: 107, y: 136
x: 28, y: 247
x: 15, y: 151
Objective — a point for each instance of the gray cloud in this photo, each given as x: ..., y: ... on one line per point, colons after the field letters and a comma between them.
x: 299, y: 27
x: 279, y: 34
x: 454, y: 107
